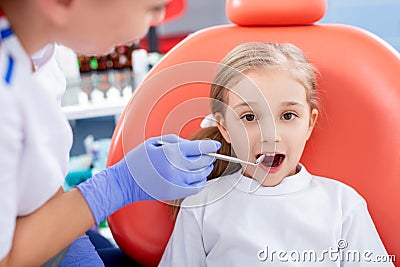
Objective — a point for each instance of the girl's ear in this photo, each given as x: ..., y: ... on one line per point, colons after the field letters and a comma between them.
x: 313, y: 120
x: 57, y: 11
x: 222, y: 127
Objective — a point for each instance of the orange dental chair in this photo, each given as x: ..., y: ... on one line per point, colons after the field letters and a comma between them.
x: 357, y: 139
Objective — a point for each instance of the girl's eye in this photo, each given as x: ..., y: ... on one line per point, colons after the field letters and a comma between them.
x: 249, y: 117
x: 288, y: 116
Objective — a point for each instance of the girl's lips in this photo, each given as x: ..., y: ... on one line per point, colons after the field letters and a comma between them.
x: 272, y: 162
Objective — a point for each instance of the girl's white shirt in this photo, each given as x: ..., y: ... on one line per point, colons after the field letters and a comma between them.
x: 35, y: 137
x: 226, y: 225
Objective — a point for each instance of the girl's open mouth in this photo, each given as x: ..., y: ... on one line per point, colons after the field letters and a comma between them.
x: 272, y: 162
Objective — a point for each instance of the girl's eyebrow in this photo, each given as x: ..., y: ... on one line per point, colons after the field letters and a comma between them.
x: 291, y: 103
x: 244, y: 104
x: 283, y: 104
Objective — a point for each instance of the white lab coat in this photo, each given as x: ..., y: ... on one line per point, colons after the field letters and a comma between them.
x: 35, y: 137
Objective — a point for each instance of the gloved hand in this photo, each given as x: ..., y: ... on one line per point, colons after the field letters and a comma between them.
x: 151, y: 171
x: 82, y: 253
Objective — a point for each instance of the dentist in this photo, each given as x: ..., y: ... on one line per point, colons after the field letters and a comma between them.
x: 40, y: 225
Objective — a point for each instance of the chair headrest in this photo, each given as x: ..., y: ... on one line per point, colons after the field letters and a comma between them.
x: 275, y: 12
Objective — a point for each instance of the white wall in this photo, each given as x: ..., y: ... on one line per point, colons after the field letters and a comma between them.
x: 199, y: 14
x: 381, y: 17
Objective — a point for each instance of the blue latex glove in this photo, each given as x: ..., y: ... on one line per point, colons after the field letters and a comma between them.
x: 151, y: 171
x: 82, y: 253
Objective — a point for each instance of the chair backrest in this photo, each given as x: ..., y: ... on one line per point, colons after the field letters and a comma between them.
x: 357, y: 139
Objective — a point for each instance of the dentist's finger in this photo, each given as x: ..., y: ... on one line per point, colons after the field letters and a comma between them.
x: 199, y: 147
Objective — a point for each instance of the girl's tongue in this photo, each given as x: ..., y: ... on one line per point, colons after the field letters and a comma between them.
x: 272, y: 160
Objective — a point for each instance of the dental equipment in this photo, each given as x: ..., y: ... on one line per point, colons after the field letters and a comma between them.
x: 225, y: 157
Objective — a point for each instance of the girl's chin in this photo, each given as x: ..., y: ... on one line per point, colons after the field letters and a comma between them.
x: 265, y: 178
x: 274, y: 178
x: 270, y: 180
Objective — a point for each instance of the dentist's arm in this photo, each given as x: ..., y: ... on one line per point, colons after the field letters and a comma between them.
x: 149, y: 171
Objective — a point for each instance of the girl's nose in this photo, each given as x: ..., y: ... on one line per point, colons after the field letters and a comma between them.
x: 269, y: 133
x: 270, y: 137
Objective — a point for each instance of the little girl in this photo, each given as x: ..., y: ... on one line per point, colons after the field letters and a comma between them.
x: 264, y: 103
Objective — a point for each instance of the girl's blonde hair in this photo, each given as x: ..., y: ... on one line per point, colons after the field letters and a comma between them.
x: 256, y: 55
x: 240, y: 61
